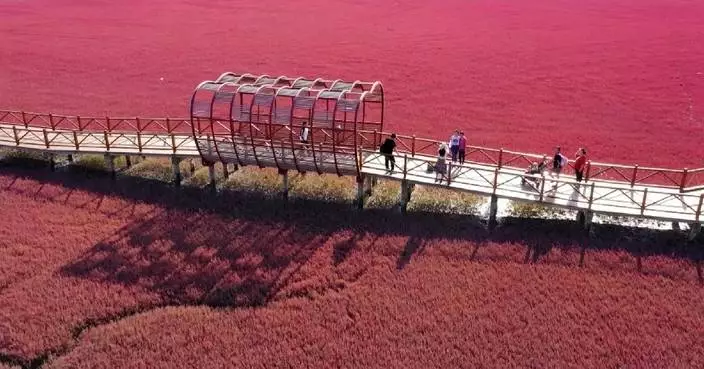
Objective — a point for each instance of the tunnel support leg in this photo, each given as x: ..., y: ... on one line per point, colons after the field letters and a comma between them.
x: 225, y: 170
x: 211, y: 177
x: 284, y: 183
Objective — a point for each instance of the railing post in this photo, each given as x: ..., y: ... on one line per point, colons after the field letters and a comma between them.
x: 24, y: 120
x: 683, y: 183
x: 107, y: 123
x: 107, y: 142
x: 173, y: 143
x: 588, y: 171
x: 635, y: 173
x: 17, y: 137
x: 496, y: 181
x: 139, y: 141
x: 542, y: 188
x: 591, y: 196
x: 413, y: 146
x: 168, y: 125
x: 46, y: 138
x: 51, y: 120
x: 501, y: 157
x: 698, y: 215
x: 78, y: 120
x: 75, y: 140
x: 405, y: 165
x: 449, y: 173
x: 375, y: 140
x: 642, y: 205
x: 139, y: 124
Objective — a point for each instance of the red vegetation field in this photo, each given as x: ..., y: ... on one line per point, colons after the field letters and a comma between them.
x: 136, y: 275
x: 320, y: 286
x: 622, y: 77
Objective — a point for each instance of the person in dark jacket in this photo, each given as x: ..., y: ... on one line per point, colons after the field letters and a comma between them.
x: 387, y: 149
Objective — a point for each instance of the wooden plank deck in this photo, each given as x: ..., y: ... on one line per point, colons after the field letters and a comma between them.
x: 606, y: 197
x: 595, y: 196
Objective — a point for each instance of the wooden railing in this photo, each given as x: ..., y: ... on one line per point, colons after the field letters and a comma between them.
x: 603, y: 197
x: 683, y: 179
x: 97, y: 142
x: 56, y: 130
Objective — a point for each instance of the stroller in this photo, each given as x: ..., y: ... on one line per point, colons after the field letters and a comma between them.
x: 533, y: 171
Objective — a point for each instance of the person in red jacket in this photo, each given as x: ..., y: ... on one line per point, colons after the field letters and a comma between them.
x: 580, y: 163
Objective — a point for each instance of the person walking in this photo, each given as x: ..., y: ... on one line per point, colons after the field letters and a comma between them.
x: 303, y: 136
x: 462, y: 147
x: 387, y: 149
x: 558, y: 162
x: 455, y: 145
x: 580, y: 163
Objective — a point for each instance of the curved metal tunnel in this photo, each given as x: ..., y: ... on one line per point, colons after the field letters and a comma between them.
x: 258, y: 120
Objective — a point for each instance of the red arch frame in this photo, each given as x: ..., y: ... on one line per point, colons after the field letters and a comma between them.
x: 345, y: 140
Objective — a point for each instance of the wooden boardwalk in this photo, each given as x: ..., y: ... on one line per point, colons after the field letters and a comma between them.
x: 595, y: 196
x: 602, y: 197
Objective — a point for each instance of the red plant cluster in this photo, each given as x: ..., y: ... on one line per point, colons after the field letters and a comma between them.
x: 312, y: 285
x: 622, y: 78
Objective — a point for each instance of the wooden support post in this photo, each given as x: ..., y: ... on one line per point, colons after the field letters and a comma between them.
x: 584, y: 218
x: 191, y: 167
x: 493, y: 210
x: 588, y: 218
x: 645, y: 197
x: 128, y: 161
x: 698, y: 214
x: 110, y: 164
x: 284, y: 183
x: 211, y: 177
x: 694, y: 229
x: 368, y: 185
x: 405, y: 195
x: 176, y: 168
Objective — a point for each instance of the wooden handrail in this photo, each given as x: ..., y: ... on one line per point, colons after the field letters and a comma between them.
x: 52, y: 122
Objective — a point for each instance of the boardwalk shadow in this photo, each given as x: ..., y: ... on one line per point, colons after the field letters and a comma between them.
x: 200, y: 248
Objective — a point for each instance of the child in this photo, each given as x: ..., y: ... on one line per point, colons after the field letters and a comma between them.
x: 559, y: 161
x: 303, y: 136
x: 440, y: 166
